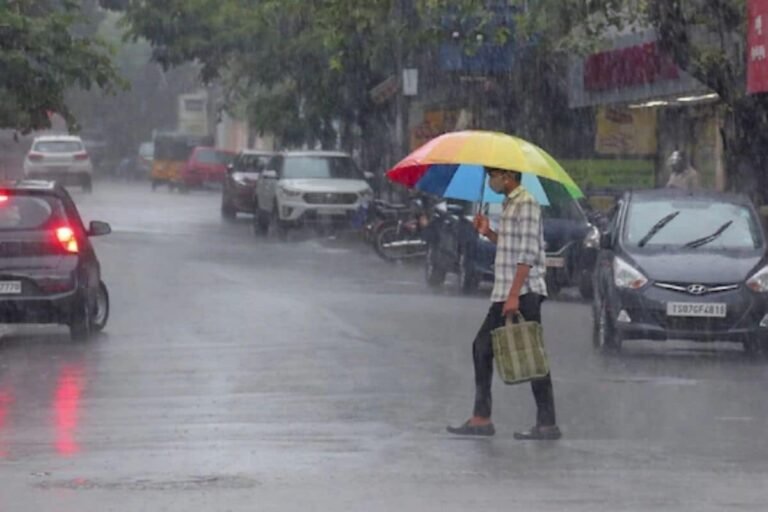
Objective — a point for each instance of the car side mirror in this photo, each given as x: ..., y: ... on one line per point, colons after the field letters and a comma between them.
x: 98, y: 228
x: 269, y: 174
x: 606, y: 241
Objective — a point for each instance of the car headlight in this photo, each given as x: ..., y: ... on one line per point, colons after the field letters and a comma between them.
x: 627, y: 276
x: 289, y: 192
x: 242, y: 179
x: 592, y: 240
x: 759, y: 281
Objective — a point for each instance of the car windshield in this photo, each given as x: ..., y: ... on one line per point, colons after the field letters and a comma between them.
x: 213, y: 156
x: 22, y: 212
x: 58, y: 146
x: 253, y: 163
x: 697, y: 220
x: 321, y: 167
x: 147, y: 150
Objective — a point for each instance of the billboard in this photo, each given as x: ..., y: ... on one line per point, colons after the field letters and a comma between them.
x: 757, y: 42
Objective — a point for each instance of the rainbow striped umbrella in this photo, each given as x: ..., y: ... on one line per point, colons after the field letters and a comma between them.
x: 452, y: 165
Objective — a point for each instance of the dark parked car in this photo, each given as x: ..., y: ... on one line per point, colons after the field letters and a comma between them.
x: 239, y: 192
x: 49, y: 272
x: 456, y: 247
x: 676, y: 265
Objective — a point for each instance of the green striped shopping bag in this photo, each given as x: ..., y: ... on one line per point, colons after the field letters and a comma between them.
x: 519, y: 351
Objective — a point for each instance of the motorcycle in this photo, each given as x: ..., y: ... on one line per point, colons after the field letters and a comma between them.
x: 402, y: 238
x: 375, y: 214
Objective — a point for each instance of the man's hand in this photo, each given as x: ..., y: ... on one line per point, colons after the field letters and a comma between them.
x: 512, y: 306
x: 482, y: 224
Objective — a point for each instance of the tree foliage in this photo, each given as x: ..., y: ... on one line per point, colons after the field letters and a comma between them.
x: 42, y: 55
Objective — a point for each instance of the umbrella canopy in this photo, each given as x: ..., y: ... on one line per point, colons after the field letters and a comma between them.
x: 452, y: 165
x: 467, y: 181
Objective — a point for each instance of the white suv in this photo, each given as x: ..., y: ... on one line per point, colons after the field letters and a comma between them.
x: 61, y: 158
x: 302, y: 187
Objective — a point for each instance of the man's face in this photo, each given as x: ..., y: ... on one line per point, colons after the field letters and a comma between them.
x: 497, y: 182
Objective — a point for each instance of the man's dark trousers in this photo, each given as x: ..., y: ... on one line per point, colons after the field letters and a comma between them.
x: 482, y: 352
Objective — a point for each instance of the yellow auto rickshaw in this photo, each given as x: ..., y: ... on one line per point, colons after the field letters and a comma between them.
x: 171, y: 153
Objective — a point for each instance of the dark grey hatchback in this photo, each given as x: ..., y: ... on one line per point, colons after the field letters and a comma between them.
x: 676, y: 265
x: 49, y: 272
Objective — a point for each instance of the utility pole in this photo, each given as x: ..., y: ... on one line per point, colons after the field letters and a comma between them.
x: 403, y: 16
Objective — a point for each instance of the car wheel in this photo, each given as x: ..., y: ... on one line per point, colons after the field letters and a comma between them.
x: 553, y: 284
x: 467, y: 276
x: 754, y: 345
x: 87, y: 185
x: 586, y: 286
x: 228, y: 211
x: 101, y: 310
x: 432, y: 272
x: 277, y: 228
x: 80, y: 323
x: 605, y: 337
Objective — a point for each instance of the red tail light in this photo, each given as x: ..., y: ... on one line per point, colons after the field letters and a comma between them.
x: 36, y: 157
x: 81, y: 156
x: 3, y: 198
x: 66, y: 237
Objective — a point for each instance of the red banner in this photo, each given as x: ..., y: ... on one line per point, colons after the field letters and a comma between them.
x: 757, y: 46
x: 628, y: 67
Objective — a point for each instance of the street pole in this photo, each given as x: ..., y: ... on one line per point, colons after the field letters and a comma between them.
x: 402, y: 122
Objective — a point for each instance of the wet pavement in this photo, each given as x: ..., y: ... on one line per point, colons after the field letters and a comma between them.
x: 239, y: 373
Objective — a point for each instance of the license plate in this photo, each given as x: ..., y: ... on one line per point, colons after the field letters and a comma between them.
x: 331, y: 212
x: 556, y: 262
x: 10, y: 287
x: 695, y: 309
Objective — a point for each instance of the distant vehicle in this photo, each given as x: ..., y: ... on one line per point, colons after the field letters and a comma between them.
x: 96, y: 146
x: 242, y: 177
x: 455, y: 246
x: 172, y: 150
x: 49, y: 272
x: 683, y: 266
x: 62, y: 158
x: 206, y: 165
x: 304, y: 187
x: 144, y: 159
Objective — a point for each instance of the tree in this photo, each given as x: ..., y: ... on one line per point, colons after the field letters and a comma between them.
x: 41, y: 57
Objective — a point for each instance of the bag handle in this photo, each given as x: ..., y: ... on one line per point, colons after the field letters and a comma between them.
x: 515, y: 316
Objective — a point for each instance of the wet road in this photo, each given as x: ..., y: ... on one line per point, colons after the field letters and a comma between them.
x: 238, y: 374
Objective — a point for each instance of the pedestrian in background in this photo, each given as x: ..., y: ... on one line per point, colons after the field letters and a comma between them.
x: 682, y: 174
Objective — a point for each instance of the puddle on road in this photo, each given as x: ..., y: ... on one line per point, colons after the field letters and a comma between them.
x: 193, y: 483
x: 658, y: 381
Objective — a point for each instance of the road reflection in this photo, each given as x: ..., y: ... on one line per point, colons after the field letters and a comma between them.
x: 43, y: 379
x: 66, y: 407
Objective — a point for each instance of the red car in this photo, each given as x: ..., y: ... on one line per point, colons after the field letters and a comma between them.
x: 206, y: 165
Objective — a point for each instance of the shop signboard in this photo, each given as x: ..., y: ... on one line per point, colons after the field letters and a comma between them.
x: 757, y: 50
x: 624, y: 131
x: 631, y: 70
x: 611, y: 174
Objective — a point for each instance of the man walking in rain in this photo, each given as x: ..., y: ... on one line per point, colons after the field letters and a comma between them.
x: 519, y: 287
x: 682, y: 174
